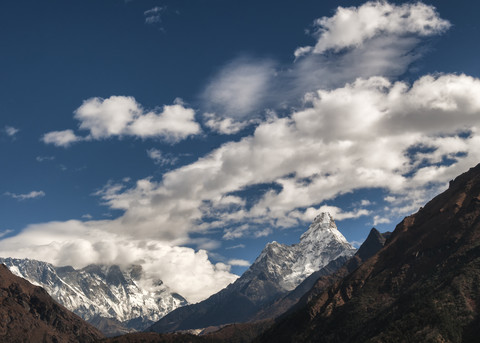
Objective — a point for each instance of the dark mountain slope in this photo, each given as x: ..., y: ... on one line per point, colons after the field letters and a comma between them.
x: 423, y: 286
x: 29, y: 314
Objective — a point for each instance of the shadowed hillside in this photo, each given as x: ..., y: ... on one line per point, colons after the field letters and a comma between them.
x: 29, y: 314
x: 423, y: 286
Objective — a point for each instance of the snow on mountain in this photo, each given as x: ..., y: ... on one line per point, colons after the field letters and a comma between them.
x: 278, y: 270
x: 101, y: 291
x: 290, y: 265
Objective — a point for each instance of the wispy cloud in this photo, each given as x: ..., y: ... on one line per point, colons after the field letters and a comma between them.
x: 11, y: 131
x: 159, y: 158
x: 26, y: 196
x: 239, y: 262
x: 154, y: 15
x: 44, y: 158
x: 5, y: 232
x: 238, y: 246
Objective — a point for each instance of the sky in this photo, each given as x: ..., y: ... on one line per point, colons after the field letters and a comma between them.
x: 185, y: 135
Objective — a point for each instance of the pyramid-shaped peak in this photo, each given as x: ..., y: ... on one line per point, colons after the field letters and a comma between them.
x: 323, y: 227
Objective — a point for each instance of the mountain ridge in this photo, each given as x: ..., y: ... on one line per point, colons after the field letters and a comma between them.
x: 422, y: 286
x: 101, y: 294
x: 277, y: 270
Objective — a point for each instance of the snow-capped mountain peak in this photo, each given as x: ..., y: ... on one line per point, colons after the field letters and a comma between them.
x: 322, y: 228
x: 277, y: 270
x: 288, y: 265
x: 101, y: 291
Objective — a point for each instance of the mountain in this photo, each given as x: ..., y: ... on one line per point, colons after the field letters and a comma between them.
x: 114, y: 300
x: 279, y: 269
x: 247, y: 332
x: 326, y: 276
x: 29, y: 314
x: 423, y: 286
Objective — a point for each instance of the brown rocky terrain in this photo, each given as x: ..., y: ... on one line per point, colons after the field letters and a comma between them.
x: 29, y: 314
x: 423, y: 286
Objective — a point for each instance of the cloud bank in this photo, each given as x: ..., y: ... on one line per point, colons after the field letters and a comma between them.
x: 354, y: 127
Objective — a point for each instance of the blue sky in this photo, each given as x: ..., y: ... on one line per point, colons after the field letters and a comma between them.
x: 185, y: 135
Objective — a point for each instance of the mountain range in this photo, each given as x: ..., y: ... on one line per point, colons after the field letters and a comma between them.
x: 115, y: 300
x: 28, y: 314
x: 418, y: 284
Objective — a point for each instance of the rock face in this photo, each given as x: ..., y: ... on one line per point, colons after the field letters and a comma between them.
x: 279, y: 269
x: 29, y: 314
x: 114, y: 300
x: 326, y: 276
x: 423, y: 286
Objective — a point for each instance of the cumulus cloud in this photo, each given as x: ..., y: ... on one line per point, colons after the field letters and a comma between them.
x: 120, y: 116
x: 26, y: 196
x: 353, y: 130
x: 124, y: 116
x: 352, y: 26
x: 353, y: 137
x: 374, y: 39
x: 78, y: 244
x: 63, y: 138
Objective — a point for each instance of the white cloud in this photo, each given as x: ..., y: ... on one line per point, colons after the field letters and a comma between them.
x: 238, y: 89
x: 26, y: 196
x: 336, y: 212
x: 153, y: 15
x: 226, y: 126
x: 63, y: 138
x: 78, y: 244
x: 374, y: 39
x: 5, y: 232
x: 356, y: 244
x: 351, y: 27
x: 160, y: 158
x: 390, y: 198
x: 380, y: 220
x: 44, y: 158
x: 239, y: 262
x: 123, y: 116
x: 238, y: 246
x: 11, y: 131
x: 349, y: 138
x: 120, y: 116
